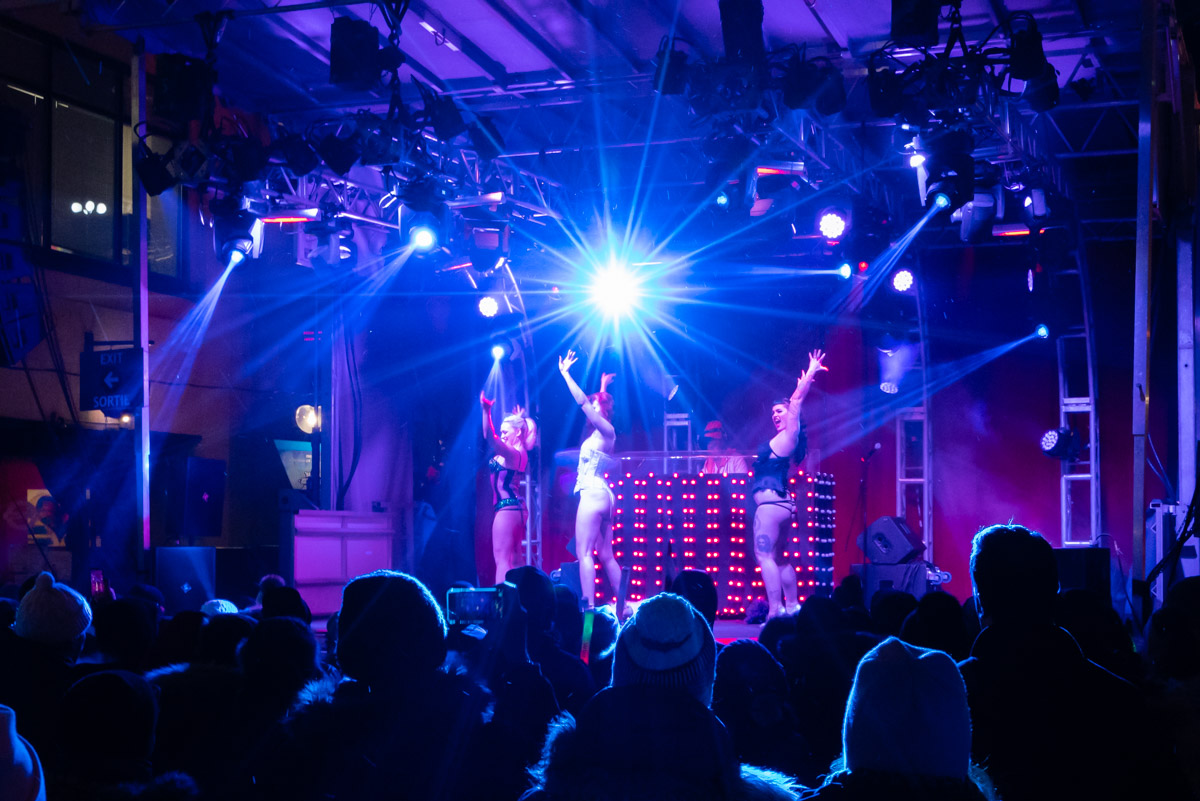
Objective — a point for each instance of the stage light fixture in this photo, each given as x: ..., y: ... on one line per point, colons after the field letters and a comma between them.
x: 501, y: 348
x: 670, y: 71
x: 897, y: 355
x: 1061, y: 443
x: 355, y: 57
x: 1035, y: 208
x: 441, y: 113
x: 722, y: 199
x: 885, y: 88
x: 1042, y: 92
x: 308, y: 418
x: 340, y: 153
x: 152, y: 170
x: 423, y: 238
x: 833, y: 223
x: 487, y: 245
x: 817, y: 83
x: 237, y: 234
x: 844, y: 269
x: 298, y: 152
x: 192, y: 162
x: 986, y: 206
x: 1027, y: 58
x: 902, y: 280
x: 1042, y: 331
x: 948, y: 174
x: 615, y: 290
x: 488, y: 306
x: 916, y: 160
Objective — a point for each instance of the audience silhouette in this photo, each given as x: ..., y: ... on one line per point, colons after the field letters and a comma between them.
x: 1023, y: 693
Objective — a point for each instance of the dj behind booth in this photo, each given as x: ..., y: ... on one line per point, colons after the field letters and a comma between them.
x: 672, y: 516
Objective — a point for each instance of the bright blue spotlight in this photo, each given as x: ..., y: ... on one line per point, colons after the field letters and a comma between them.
x: 832, y: 225
x: 1042, y: 331
x: 236, y: 257
x: 941, y: 200
x: 615, y: 290
x: 497, y: 352
x: 902, y: 280
x: 422, y: 237
x: 488, y: 306
x: 844, y: 269
x: 916, y: 160
x: 722, y: 199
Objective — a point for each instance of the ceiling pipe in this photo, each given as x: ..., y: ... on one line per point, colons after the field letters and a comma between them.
x: 389, y: 16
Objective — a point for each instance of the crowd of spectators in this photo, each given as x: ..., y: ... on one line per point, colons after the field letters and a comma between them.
x: 1024, y: 692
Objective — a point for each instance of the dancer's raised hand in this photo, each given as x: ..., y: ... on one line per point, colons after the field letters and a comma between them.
x: 566, y: 362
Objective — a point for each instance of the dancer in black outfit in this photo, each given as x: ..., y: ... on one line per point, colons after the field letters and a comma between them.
x: 518, y: 434
x: 774, y: 509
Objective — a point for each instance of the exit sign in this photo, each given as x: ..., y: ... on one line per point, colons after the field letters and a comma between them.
x: 110, y: 380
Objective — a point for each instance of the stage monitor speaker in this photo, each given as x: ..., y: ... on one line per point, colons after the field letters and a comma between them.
x: 204, y: 498
x: 911, y: 577
x: 1084, y: 569
x: 889, y: 541
x: 568, y: 576
x: 186, y: 576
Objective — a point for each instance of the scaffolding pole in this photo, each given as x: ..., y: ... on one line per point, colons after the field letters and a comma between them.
x: 1148, y: 92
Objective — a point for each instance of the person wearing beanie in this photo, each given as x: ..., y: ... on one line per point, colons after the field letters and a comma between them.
x: 40, y: 651
x: 21, y: 777
x: 390, y: 628
x: 666, y: 643
x: 218, y: 606
x: 52, y: 613
x: 907, y: 730
x: 672, y: 748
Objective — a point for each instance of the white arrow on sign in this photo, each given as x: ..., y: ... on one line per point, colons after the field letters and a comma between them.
x: 111, y: 379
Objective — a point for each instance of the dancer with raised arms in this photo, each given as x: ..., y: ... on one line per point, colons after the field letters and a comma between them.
x: 774, y: 509
x: 594, y: 519
x: 518, y: 435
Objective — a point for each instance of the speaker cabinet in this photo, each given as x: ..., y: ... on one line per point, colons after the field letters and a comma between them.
x: 912, y: 577
x: 889, y: 541
x: 186, y: 576
x: 204, y: 498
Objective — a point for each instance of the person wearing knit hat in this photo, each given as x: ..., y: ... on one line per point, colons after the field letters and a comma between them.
x: 21, y: 777
x: 666, y: 643
x: 907, y: 729
x: 52, y: 613
x: 907, y: 713
x: 389, y: 629
x: 218, y: 606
